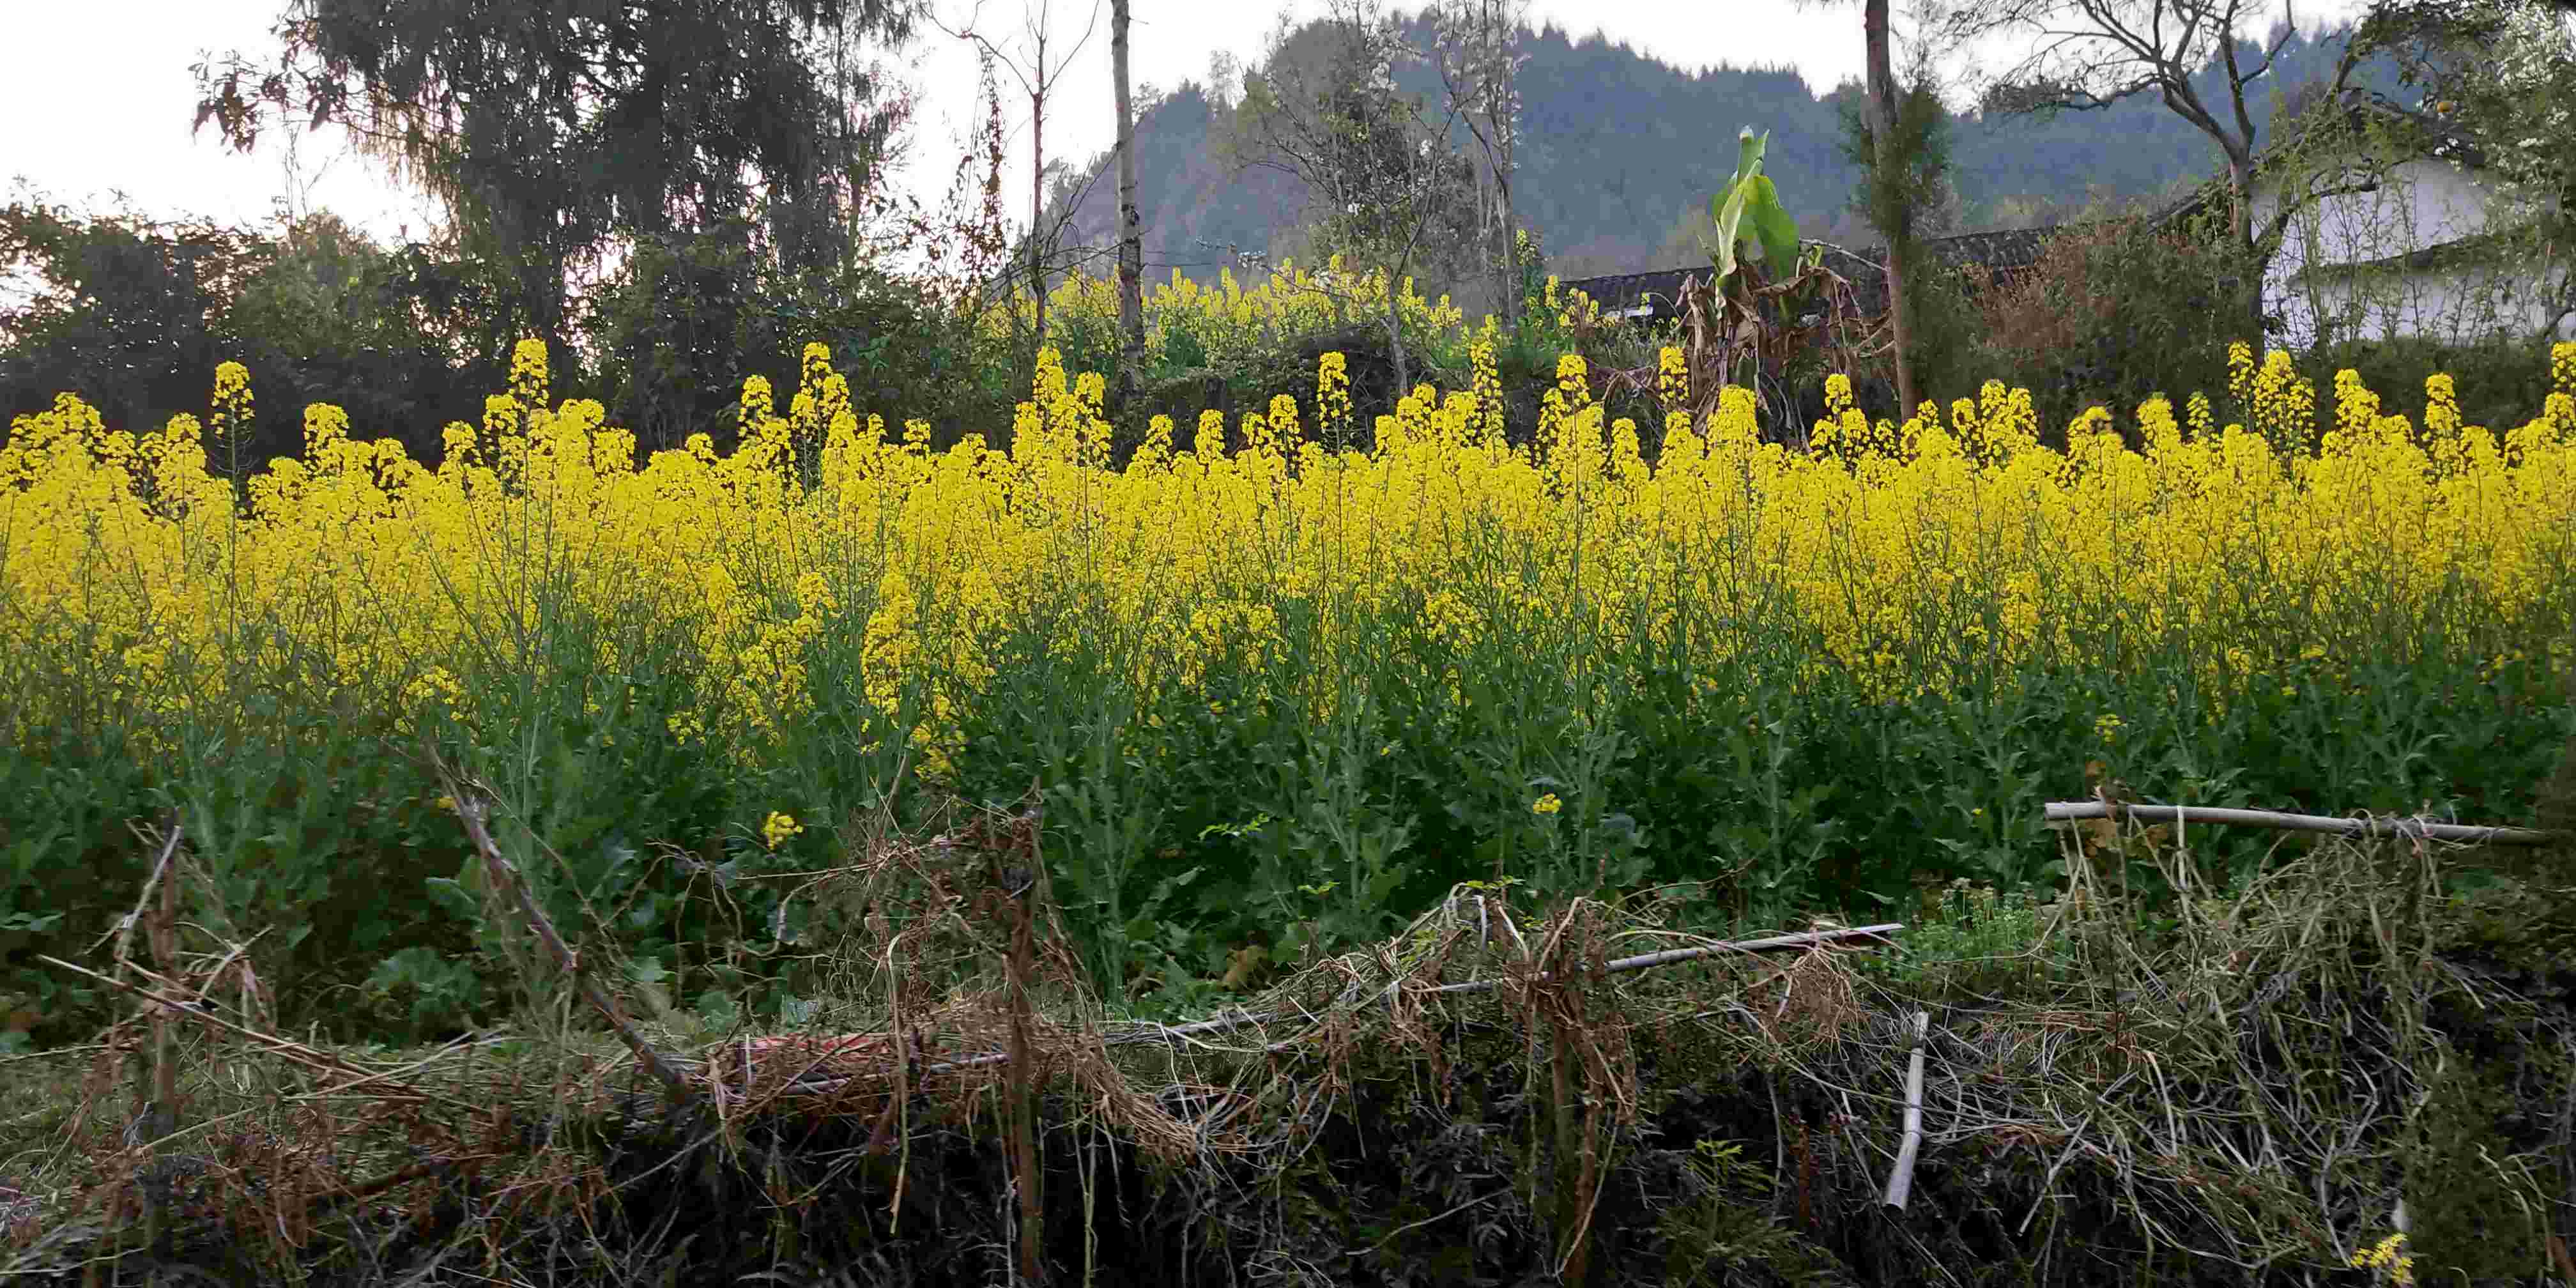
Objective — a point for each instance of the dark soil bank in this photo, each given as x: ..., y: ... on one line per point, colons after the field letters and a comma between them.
x: 2245, y: 1091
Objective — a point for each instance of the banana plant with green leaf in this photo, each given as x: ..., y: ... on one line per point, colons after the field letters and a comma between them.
x: 1748, y: 209
x: 1730, y: 340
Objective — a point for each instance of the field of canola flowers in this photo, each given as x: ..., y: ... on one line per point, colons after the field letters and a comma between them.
x: 1266, y: 683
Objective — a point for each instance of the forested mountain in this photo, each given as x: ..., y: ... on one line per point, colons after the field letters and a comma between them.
x: 1619, y: 152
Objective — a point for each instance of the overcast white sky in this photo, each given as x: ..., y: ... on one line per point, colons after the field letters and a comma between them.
x: 77, y: 136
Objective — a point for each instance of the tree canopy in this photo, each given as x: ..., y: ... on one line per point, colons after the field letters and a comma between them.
x: 551, y: 129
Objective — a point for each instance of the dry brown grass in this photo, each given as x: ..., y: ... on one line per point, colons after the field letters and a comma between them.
x: 2241, y: 1093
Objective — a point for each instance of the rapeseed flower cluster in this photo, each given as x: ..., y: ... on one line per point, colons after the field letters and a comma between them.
x: 778, y: 828
x: 2388, y: 1257
x: 824, y: 559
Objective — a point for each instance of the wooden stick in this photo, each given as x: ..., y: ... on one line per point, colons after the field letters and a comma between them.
x: 161, y: 1116
x: 1900, y: 1180
x: 1021, y: 1109
x: 2069, y: 811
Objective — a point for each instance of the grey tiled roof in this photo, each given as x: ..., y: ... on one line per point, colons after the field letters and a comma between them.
x: 2003, y: 249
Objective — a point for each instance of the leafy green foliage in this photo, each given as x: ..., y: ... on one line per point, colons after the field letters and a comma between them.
x: 550, y: 128
x: 1184, y: 824
x: 1748, y: 208
x: 1963, y: 940
x: 132, y: 313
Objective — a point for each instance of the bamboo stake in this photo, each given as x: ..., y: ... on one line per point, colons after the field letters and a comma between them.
x: 1900, y: 1180
x: 2070, y: 811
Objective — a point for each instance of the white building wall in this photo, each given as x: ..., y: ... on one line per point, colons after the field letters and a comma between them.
x: 2450, y: 304
x: 2423, y: 203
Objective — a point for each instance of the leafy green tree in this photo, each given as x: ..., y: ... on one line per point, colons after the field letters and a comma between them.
x: 126, y: 312
x: 336, y: 318
x: 1902, y: 150
x: 674, y: 332
x: 552, y: 129
x: 687, y: 316
x: 133, y: 315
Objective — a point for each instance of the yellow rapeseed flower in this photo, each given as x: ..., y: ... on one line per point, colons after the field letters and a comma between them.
x: 2388, y: 1257
x: 775, y: 831
x: 1920, y: 551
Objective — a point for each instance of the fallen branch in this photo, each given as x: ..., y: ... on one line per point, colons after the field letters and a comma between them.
x: 505, y: 875
x: 123, y: 931
x: 2070, y: 811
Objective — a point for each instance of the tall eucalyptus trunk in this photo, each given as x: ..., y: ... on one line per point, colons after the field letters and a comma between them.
x: 1037, y: 214
x: 1881, y: 95
x: 1131, y: 237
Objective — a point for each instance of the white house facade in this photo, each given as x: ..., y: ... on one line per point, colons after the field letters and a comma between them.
x: 2414, y: 257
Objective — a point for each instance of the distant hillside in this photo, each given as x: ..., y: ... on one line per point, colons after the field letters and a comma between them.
x: 1620, y: 152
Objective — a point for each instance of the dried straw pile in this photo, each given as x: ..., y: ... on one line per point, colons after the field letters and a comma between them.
x: 2248, y: 1088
